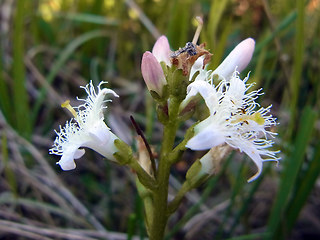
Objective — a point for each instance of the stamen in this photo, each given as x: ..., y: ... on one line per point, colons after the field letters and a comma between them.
x: 257, y: 118
x: 197, y: 34
x: 67, y: 105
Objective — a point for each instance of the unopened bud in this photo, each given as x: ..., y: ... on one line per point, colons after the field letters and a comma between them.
x: 210, y: 162
x: 152, y: 73
x: 144, y: 157
x: 208, y: 165
x: 238, y: 59
x: 161, y: 50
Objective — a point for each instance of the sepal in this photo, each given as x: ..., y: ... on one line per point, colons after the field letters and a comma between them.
x: 162, y: 113
x: 124, y: 154
x: 179, y: 84
x: 195, y: 176
x: 208, y: 165
x: 160, y: 98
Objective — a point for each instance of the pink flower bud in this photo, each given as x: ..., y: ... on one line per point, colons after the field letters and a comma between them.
x: 238, y: 59
x: 161, y: 50
x: 152, y: 73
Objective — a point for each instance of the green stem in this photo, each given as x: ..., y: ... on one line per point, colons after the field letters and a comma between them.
x: 174, y: 204
x: 146, y: 197
x: 160, y: 195
x: 177, y: 152
x: 124, y: 157
x: 190, y: 183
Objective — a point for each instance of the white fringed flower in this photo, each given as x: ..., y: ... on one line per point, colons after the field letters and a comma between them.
x: 86, y: 129
x: 233, y: 119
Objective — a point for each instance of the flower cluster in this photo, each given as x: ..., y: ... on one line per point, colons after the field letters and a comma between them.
x: 177, y: 81
x: 233, y: 118
x: 86, y: 129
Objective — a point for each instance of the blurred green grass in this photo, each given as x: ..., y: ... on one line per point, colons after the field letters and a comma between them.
x: 55, y: 46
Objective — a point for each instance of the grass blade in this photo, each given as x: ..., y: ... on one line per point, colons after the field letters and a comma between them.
x: 179, y: 24
x: 20, y: 96
x: 297, y: 65
x: 283, y: 25
x: 291, y: 168
x: 63, y: 57
x: 5, y: 103
x: 216, y: 11
x: 88, y: 18
x: 303, y: 191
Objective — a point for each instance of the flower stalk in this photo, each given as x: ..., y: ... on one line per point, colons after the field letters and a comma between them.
x: 160, y: 195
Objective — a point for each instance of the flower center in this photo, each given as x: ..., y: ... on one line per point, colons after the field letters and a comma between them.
x: 254, y: 117
x: 257, y: 118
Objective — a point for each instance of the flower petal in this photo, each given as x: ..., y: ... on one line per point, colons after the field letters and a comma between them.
x: 79, y: 153
x: 67, y: 160
x: 102, y: 141
x: 235, y: 94
x: 99, y: 132
x: 161, y: 50
x: 206, y: 138
x: 238, y: 59
x: 253, y: 153
x: 198, y: 67
x: 208, y: 93
x: 237, y: 88
x: 152, y: 73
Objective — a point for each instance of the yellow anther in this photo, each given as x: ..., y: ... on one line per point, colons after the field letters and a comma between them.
x: 257, y: 118
x: 254, y: 117
x: 67, y: 105
x: 197, y: 34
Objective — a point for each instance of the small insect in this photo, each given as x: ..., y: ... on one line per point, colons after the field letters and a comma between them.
x: 190, y: 48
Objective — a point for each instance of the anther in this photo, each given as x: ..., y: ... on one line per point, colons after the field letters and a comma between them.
x: 67, y: 105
